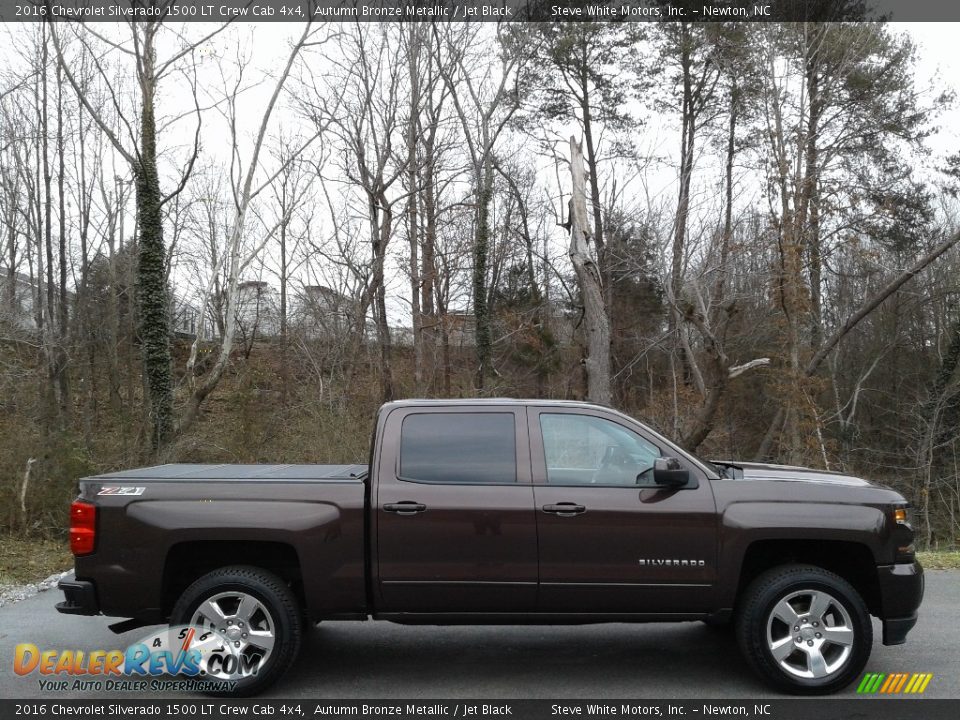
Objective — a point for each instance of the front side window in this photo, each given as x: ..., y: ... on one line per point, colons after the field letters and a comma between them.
x: 466, y: 448
x: 585, y: 450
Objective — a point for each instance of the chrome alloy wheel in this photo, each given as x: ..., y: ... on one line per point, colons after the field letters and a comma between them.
x: 243, y: 621
x: 810, y: 634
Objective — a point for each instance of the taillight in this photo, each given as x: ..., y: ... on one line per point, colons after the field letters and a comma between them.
x: 83, y: 527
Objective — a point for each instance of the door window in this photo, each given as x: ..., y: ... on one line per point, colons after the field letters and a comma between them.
x: 470, y: 448
x: 586, y: 450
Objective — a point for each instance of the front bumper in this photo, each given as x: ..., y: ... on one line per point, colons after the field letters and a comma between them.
x: 80, y: 598
x: 901, y: 592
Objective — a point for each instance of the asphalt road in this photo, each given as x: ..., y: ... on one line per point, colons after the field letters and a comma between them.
x: 382, y: 660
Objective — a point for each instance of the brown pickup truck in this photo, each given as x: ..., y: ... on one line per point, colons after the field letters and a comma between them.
x: 504, y: 511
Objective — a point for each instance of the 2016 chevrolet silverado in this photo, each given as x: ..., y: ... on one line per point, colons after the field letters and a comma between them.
x: 504, y: 511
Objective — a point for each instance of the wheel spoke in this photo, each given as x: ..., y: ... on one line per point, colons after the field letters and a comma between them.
x: 263, y: 639
x: 248, y: 606
x: 838, y: 635
x: 819, y: 604
x: 211, y: 611
x: 785, y: 612
x: 782, y: 649
x: 816, y: 662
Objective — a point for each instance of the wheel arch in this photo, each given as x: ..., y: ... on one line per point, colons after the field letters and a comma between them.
x: 852, y: 561
x: 188, y: 561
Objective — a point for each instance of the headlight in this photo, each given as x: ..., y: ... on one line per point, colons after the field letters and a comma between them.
x: 903, y: 516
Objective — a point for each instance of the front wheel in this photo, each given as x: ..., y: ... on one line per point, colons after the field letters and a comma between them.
x: 804, y: 630
x: 255, y: 614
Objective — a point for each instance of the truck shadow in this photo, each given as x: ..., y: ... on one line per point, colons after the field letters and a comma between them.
x: 384, y: 660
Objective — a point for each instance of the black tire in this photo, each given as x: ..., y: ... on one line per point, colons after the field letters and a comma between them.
x: 760, y: 625
x: 277, y: 601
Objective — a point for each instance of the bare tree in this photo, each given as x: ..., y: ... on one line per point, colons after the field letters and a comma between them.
x: 236, y: 256
x: 141, y: 154
x: 485, y: 102
x: 596, y: 325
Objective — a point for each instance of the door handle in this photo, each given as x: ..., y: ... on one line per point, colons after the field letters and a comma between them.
x: 406, y: 507
x: 565, y: 509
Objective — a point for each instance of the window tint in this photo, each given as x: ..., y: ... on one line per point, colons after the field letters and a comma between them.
x: 459, y: 448
x: 585, y: 450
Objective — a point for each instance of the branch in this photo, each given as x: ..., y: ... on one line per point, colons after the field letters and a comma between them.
x: 738, y: 370
x: 188, y: 170
x: 876, y: 300
x: 114, y: 140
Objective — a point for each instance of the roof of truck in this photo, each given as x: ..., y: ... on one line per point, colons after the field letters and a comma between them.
x: 495, y: 401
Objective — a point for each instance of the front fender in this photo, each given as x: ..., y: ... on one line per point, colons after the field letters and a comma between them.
x: 746, y: 522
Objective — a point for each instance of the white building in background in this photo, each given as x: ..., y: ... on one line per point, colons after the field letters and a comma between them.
x: 20, y: 312
x: 258, y: 309
x: 320, y: 312
x: 184, y: 316
x: 461, y: 328
x: 185, y: 321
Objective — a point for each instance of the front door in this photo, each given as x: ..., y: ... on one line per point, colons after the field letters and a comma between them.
x: 455, y: 525
x: 610, y: 541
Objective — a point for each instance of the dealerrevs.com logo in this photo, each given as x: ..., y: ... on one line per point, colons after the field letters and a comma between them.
x: 175, y: 658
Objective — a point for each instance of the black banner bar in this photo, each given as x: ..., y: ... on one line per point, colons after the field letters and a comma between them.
x: 473, y: 10
x: 208, y: 708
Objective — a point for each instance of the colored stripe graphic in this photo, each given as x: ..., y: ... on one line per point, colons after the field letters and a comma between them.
x: 894, y: 683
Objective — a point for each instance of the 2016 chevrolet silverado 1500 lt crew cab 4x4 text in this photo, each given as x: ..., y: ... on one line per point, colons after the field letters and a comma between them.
x: 505, y: 511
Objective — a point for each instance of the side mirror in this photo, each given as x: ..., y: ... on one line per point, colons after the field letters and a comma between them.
x: 668, y: 472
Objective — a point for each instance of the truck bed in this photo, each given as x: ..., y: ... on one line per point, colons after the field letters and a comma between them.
x: 172, y: 518
x: 236, y: 473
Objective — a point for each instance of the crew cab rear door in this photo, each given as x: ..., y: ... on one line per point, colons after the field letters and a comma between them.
x: 455, y: 525
x: 608, y: 541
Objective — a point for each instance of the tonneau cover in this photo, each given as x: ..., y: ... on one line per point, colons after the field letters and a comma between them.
x: 302, y: 473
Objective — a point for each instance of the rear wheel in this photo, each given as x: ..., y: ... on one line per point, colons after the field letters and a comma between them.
x: 255, y: 613
x: 804, y: 630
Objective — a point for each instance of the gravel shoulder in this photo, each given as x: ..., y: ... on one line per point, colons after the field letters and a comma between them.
x: 11, y: 593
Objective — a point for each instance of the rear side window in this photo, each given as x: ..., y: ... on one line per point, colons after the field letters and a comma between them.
x: 459, y: 448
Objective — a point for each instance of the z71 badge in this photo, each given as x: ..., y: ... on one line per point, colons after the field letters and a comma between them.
x: 122, y: 490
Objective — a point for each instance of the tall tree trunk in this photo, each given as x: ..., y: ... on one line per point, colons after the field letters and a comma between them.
x: 152, y: 293
x: 428, y: 274
x: 596, y: 323
x: 413, y: 228
x: 810, y: 212
x: 284, y: 340
x: 63, y: 311
x: 381, y: 222
x: 688, y: 119
x: 54, y: 419
x: 481, y: 251
x: 719, y: 371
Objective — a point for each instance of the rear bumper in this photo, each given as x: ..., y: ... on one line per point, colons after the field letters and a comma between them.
x: 901, y: 592
x: 80, y: 598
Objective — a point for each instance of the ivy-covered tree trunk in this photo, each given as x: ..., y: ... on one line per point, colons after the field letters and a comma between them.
x: 481, y: 250
x: 152, y: 292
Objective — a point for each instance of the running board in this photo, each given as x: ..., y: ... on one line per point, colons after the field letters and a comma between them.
x: 127, y: 625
